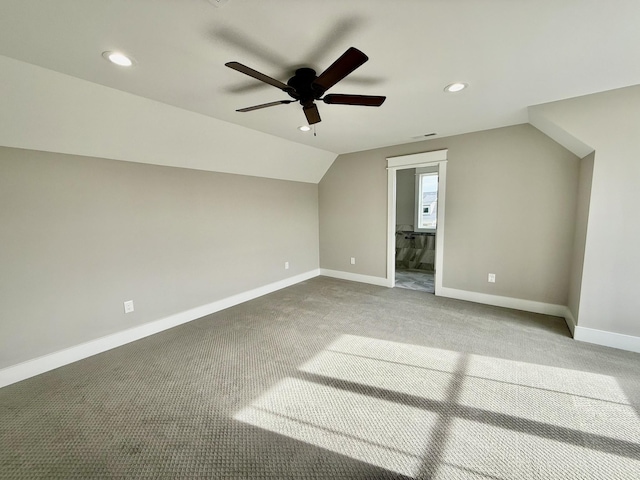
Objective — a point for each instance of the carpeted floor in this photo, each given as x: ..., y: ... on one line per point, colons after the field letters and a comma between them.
x: 334, y: 379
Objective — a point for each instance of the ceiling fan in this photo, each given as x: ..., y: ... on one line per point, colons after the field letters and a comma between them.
x: 305, y: 87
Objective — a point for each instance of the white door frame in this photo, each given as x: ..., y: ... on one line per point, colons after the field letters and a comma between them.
x: 427, y: 159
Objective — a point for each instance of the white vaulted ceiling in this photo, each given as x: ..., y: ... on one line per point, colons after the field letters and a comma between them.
x: 513, y: 54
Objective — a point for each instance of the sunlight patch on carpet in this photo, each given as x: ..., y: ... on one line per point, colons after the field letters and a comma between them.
x: 389, y: 403
x: 371, y: 430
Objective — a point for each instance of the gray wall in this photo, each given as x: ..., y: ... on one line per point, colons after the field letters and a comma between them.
x: 405, y: 196
x: 580, y: 238
x: 510, y: 207
x: 353, y: 214
x: 81, y: 235
x: 609, y: 122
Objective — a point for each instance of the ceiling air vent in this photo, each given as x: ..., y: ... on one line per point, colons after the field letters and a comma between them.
x: 420, y: 137
x: 218, y: 3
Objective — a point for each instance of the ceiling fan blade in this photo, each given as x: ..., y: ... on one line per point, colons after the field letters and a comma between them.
x: 312, y: 114
x: 343, y: 66
x: 264, y: 105
x: 259, y: 76
x: 364, y: 100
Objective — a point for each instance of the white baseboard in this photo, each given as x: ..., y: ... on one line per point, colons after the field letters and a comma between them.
x: 356, y: 277
x: 571, y: 321
x: 31, y: 368
x: 507, y: 302
x: 582, y: 334
x: 607, y: 339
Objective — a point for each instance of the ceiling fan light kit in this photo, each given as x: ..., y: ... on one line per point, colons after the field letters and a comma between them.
x: 306, y: 87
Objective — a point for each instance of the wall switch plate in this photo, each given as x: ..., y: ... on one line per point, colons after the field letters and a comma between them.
x: 286, y: 265
x: 128, y: 306
x: 492, y: 278
x: 353, y: 260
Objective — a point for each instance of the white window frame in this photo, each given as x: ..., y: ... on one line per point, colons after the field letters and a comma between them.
x: 418, y: 207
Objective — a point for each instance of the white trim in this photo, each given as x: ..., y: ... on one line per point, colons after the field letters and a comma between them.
x: 417, y: 159
x: 442, y: 196
x: 391, y: 226
x: 571, y: 322
x: 36, y: 366
x: 438, y: 159
x: 507, y: 302
x: 355, y: 277
x: 607, y: 339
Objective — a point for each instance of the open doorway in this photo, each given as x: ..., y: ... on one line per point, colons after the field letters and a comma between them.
x: 416, y: 226
x: 416, y: 207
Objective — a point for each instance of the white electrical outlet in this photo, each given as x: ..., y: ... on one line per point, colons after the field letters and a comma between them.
x: 492, y: 278
x: 128, y: 306
x: 286, y: 265
x: 353, y: 260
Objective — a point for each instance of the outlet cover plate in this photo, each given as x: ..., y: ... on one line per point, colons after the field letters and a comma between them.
x: 128, y: 306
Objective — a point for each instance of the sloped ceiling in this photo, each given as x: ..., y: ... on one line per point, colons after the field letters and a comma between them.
x: 513, y: 54
x: 49, y: 111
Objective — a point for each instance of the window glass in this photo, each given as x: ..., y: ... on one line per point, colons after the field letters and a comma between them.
x: 427, y: 201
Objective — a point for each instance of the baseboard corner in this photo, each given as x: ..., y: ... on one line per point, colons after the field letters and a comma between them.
x: 571, y: 321
x: 607, y: 339
x: 506, y: 302
x: 356, y: 277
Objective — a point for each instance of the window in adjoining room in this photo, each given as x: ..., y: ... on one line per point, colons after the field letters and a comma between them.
x: 426, y: 201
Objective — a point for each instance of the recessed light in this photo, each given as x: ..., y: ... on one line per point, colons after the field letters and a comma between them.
x: 118, y: 58
x: 304, y: 128
x: 455, y: 87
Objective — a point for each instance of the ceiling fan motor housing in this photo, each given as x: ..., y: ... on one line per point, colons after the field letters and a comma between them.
x: 304, y: 89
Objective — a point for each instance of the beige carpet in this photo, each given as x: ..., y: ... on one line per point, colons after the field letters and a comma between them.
x: 333, y: 379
